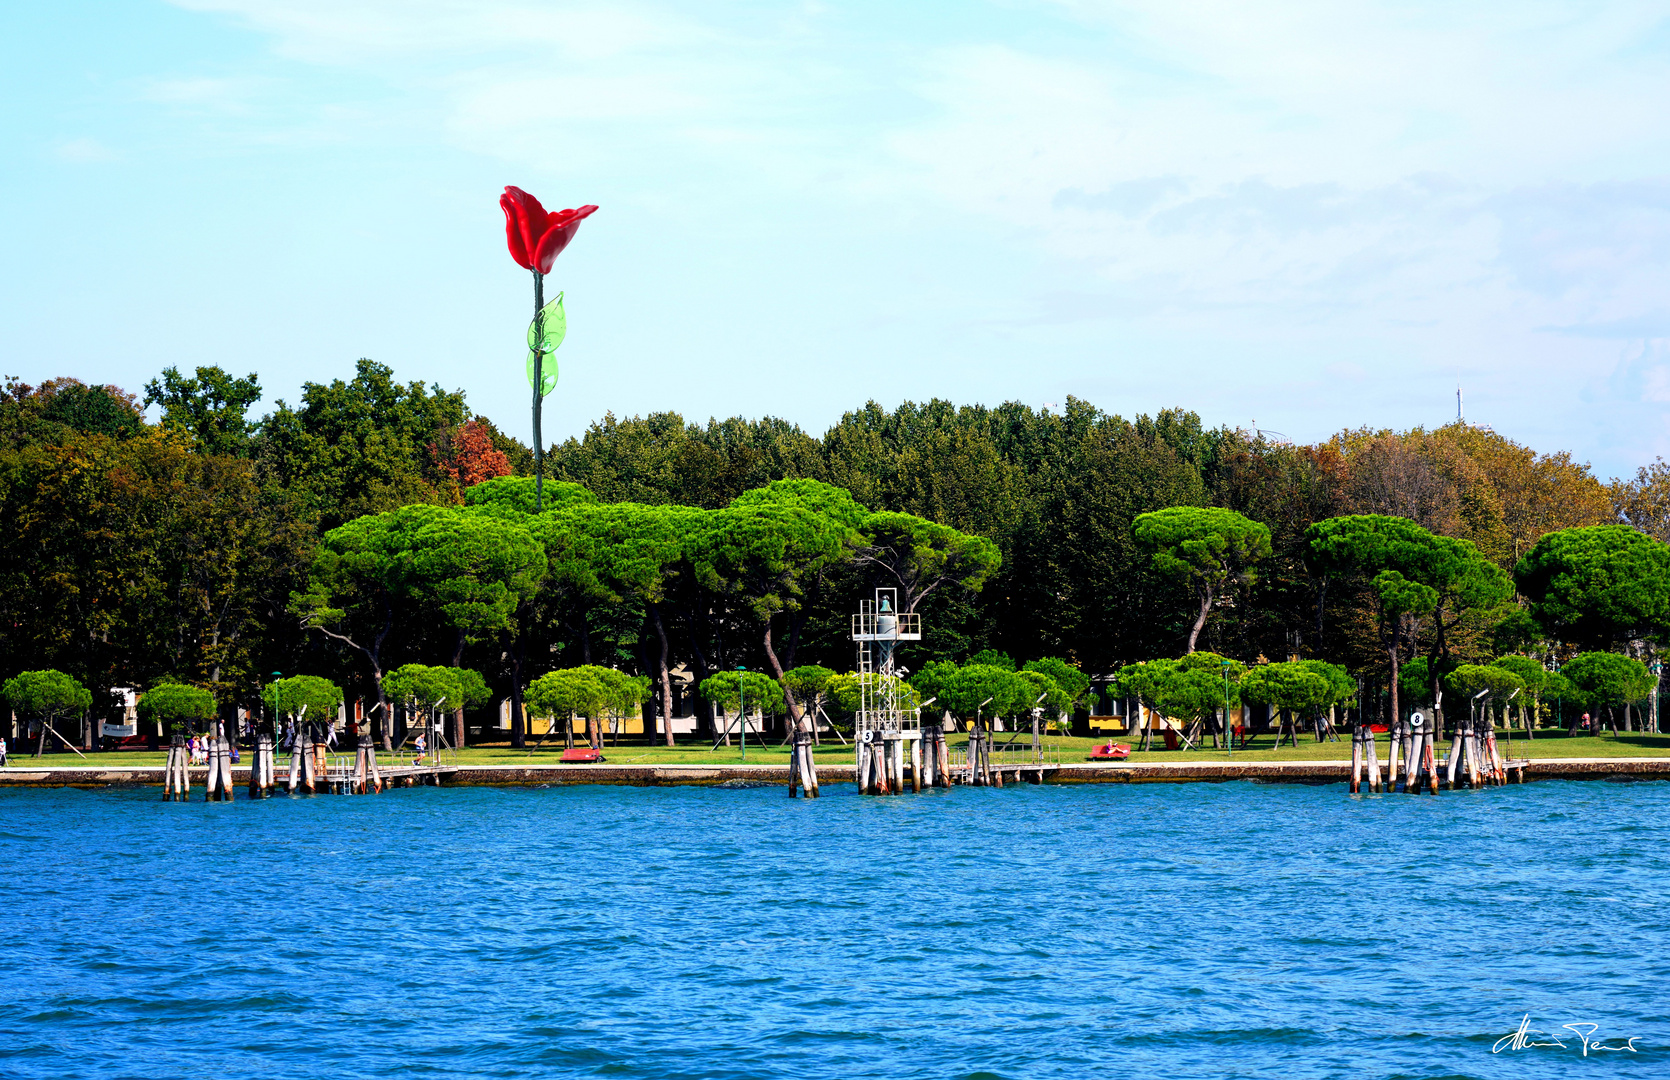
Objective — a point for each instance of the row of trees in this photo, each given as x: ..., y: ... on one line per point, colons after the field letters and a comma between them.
x: 213, y: 549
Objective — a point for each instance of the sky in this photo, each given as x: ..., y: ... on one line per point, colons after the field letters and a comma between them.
x: 1298, y: 216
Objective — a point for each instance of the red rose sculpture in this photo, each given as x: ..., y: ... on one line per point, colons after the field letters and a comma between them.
x: 535, y: 237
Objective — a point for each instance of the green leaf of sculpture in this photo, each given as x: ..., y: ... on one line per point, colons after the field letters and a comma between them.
x: 546, y: 332
x: 547, y: 374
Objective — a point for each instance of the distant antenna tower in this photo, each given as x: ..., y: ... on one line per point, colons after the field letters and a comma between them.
x: 1458, y: 416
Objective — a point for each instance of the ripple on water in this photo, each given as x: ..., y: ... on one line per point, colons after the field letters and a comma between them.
x: 1235, y: 929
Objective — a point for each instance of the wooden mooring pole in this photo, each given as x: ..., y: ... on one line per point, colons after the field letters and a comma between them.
x: 261, y: 768
x: 218, y: 785
x: 176, y: 771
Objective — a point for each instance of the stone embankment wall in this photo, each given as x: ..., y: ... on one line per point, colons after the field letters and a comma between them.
x: 1301, y: 772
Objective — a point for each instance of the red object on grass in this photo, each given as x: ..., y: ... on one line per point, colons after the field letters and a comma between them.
x: 534, y: 236
x: 581, y: 755
x: 1110, y: 752
x: 1378, y: 729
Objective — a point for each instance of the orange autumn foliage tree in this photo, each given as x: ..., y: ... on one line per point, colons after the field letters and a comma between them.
x: 467, y: 455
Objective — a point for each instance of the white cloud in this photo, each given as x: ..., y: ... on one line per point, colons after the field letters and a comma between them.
x: 83, y: 151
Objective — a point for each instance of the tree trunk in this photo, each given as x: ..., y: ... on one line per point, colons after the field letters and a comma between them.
x: 458, y: 710
x: 1200, y: 620
x: 518, y: 726
x: 777, y: 670
x: 1396, y: 713
x: 666, y: 678
x: 1321, y: 599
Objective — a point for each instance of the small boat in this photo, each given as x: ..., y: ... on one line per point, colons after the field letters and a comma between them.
x: 1110, y: 751
x: 581, y: 755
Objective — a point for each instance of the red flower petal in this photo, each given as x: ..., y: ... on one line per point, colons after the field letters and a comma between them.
x: 524, y: 224
x: 560, y: 228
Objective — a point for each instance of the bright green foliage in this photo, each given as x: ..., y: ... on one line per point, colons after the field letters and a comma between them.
x: 931, y: 678
x: 1368, y: 543
x: 1190, y: 688
x: 567, y: 692
x: 1399, y: 596
x: 1211, y: 548
x: 1604, y: 678
x: 1192, y: 693
x: 1415, y: 679
x: 1287, y: 685
x: 427, y: 686
x: 972, y: 684
x: 590, y: 690
x: 1556, y: 687
x: 1045, y: 693
x: 471, y: 567
x: 176, y: 706
x: 993, y: 658
x: 1342, y: 688
x: 843, y: 691
x: 808, y: 683
x: 1513, y: 628
x: 287, y: 697
x: 209, y: 408
x: 473, y: 687
x: 1070, y: 679
x: 46, y: 695
x: 813, y: 495
x: 1213, y: 664
x: 1598, y: 585
x: 726, y: 688
x: 517, y: 493
x: 363, y: 571
x: 475, y: 568
x: 1414, y: 575
x: 917, y: 556
x: 1143, y: 680
x: 1469, y: 679
x: 763, y: 553
x: 622, y: 693
x: 1530, y: 673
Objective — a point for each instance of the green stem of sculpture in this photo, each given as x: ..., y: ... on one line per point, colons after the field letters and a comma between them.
x: 538, y: 385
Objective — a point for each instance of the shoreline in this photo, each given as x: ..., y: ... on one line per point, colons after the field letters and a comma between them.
x: 1182, y: 772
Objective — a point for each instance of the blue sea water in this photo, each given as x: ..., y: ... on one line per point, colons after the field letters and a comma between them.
x: 1232, y: 930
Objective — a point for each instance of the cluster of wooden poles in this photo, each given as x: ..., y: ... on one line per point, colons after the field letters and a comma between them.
x: 307, y: 771
x: 176, y: 771
x: 881, y: 761
x: 1474, y: 758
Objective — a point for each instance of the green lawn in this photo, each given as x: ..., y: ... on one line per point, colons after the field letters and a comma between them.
x: 1548, y: 744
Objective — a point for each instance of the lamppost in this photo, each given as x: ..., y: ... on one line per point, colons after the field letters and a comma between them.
x: 742, y: 709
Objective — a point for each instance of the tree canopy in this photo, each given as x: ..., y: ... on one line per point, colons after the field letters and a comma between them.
x: 1288, y: 685
x: 46, y: 695
x: 137, y: 551
x: 289, y: 697
x: 176, y: 706
x: 1607, y: 679
x: 1598, y: 585
x: 1210, y: 547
